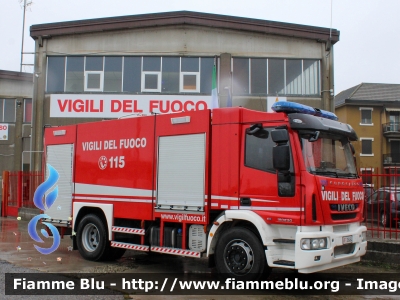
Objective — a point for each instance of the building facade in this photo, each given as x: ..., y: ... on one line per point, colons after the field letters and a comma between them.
x: 155, y: 63
x: 15, y: 120
x: 373, y: 110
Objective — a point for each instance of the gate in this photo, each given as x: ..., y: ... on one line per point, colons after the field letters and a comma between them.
x: 18, y: 190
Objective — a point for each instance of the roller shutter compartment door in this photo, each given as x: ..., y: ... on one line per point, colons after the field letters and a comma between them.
x: 181, y: 172
x: 60, y: 158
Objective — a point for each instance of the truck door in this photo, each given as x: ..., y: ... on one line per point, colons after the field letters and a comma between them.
x: 262, y: 189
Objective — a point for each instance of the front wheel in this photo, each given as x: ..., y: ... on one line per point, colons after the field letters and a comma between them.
x: 240, y: 254
x: 92, y: 238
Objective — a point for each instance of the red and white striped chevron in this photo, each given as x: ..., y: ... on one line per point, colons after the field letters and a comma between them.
x: 176, y: 251
x: 128, y: 230
x: 129, y: 246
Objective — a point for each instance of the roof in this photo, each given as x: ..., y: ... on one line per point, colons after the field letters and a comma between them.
x: 370, y: 94
x: 183, y: 18
x: 21, y: 76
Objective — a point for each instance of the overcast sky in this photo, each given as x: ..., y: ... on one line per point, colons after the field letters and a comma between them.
x: 368, y: 49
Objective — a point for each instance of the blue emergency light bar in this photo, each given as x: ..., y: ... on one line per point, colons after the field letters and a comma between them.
x: 293, y: 107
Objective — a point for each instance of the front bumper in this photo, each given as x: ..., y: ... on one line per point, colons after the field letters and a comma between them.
x: 337, y: 253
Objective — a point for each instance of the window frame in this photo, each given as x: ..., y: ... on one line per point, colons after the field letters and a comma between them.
x: 3, y: 103
x: 181, y: 86
x: 364, y: 171
x: 366, y: 139
x: 361, y: 120
x: 314, y: 83
x: 246, y: 163
x: 25, y: 105
x: 143, y: 82
x: 100, y: 89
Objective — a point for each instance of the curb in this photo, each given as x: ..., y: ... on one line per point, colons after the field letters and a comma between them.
x: 387, y: 252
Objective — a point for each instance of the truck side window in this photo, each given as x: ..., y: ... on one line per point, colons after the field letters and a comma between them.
x: 258, y: 153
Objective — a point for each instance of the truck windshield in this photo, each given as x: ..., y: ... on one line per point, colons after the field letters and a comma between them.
x: 329, y: 155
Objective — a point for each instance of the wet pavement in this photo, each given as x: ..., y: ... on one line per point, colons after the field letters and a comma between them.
x: 17, y: 247
x: 18, y: 254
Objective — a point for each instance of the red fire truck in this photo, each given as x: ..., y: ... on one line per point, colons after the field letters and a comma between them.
x: 250, y: 190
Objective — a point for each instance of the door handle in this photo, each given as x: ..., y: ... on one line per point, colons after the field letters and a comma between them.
x: 245, y: 201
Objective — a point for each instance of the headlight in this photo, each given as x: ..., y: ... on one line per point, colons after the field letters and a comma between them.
x: 313, y: 244
x: 305, y: 244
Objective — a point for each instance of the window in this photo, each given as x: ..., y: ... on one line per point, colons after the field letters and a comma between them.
x: 258, y: 153
x: 112, y: 74
x: 240, y: 76
x: 394, y: 118
x: 170, y: 75
x: 366, y: 116
x: 28, y: 110
x: 132, y: 71
x: 129, y: 74
x: 311, y: 77
x: 206, y: 68
x: 151, y: 74
x: 366, y: 175
x: 259, y: 76
x: 366, y: 147
x: 276, y: 76
x: 7, y: 110
x: 94, y: 74
x: 75, y: 74
x: 55, y: 74
x: 294, y: 80
x: 190, y: 75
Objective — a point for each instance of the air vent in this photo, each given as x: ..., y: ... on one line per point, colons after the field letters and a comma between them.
x: 197, y: 238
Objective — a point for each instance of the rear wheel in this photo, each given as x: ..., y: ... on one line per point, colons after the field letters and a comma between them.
x: 92, y: 238
x: 240, y: 254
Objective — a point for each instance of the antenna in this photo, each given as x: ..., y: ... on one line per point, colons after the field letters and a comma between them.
x: 26, y: 4
x: 330, y: 29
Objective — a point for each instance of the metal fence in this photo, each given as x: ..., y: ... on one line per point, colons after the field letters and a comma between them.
x: 382, y: 202
x: 18, y: 190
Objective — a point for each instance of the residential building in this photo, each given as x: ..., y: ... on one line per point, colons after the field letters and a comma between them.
x: 373, y: 110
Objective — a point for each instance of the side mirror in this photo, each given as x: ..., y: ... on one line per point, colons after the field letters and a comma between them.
x: 281, y: 158
x: 258, y: 131
x: 280, y: 136
x: 281, y: 153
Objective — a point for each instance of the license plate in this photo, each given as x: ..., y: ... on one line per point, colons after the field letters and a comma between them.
x: 347, y: 239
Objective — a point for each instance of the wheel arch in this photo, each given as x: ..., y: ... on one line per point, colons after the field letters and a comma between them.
x: 236, y: 218
x: 103, y: 211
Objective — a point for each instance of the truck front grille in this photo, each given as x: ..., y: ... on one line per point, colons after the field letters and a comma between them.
x: 336, y: 217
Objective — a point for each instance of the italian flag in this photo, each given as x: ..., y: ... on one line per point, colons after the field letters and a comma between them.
x: 214, y: 93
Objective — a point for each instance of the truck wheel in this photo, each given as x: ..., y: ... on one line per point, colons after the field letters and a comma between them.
x: 239, y: 254
x: 91, y: 238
